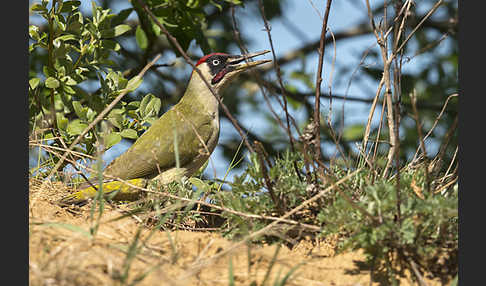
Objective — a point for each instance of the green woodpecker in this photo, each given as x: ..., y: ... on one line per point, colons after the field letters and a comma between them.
x: 190, y: 129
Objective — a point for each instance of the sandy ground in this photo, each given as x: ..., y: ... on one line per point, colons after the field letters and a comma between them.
x: 62, y: 252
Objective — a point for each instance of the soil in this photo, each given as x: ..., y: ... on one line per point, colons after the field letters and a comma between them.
x: 62, y: 252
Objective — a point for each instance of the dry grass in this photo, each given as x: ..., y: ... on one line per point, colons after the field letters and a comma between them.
x: 70, y: 256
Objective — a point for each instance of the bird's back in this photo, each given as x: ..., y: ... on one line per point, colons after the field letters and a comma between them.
x: 153, y: 152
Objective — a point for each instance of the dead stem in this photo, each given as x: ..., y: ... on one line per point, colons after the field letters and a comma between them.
x: 317, y: 114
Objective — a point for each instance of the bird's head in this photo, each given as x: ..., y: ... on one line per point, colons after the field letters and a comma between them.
x: 220, y: 68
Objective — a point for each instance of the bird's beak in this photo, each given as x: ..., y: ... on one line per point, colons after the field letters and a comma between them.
x: 241, y: 63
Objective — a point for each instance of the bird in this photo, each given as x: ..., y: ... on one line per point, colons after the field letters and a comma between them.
x: 180, y: 142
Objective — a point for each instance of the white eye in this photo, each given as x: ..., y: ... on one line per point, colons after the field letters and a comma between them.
x: 215, y: 62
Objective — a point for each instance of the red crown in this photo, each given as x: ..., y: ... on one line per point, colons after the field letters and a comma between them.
x: 203, y: 59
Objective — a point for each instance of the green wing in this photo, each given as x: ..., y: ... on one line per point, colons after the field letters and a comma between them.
x: 154, y: 151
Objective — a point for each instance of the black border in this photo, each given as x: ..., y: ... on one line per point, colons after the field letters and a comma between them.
x: 14, y: 111
x: 471, y: 144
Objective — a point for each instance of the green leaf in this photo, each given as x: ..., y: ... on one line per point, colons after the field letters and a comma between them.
x: 201, y: 39
x: 75, y: 23
x: 90, y: 115
x: 115, y: 32
x: 143, y: 103
x: 156, y: 27
x: 111, y: 139
x: 80, y: 111
x: 199, y: 184
x: 134, y: 82
x: 192, y: 4
x: 76, y: 127
x: 62, y: 122
x: 129, y: 133
x: 132, y: 105
x: 141, y: 38
x: 69, y: 90
x: 133, y: 114
x: 220, y: 8
x: 47, y: 71
x: 52, y: 83
x: 34, y: 82
x: 121, y: 16
x: 59, y: 23
x: 153, y: 107
x: 69, y: 80
x: 48, y: 136
x: 69, y: 6
x: 34, y: 32
x: 38, y: 8
x: 110, y: 45
x: 66, y: 37
x: 235, y: 2
x: 116, y: 118
x: 149, y: 106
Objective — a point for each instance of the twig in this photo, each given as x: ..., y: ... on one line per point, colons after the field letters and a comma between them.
x: 435, y: 123
x: 440, y: 114
x: 446, y: 185
x: 445, y: 142
x: 266, y: 178
x: 390, y: 118
x: 370, y: 116
x: 417, y: 273
x: 74, y: 153
x: 432, y: 10
x: 413, y: 99
x: 317, y: 114
x: 378, y: 133
x: 451, y: 163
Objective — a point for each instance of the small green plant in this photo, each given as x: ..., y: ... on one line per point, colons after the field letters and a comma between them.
x: 250, y: 194
x: 424, y: 237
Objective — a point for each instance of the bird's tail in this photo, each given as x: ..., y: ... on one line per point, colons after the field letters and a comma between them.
x: 114, y: 190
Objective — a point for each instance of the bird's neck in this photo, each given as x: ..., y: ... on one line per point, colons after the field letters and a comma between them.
x: 198, y: 94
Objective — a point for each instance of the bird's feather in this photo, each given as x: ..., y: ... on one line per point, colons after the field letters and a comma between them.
x: 152, y: 153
